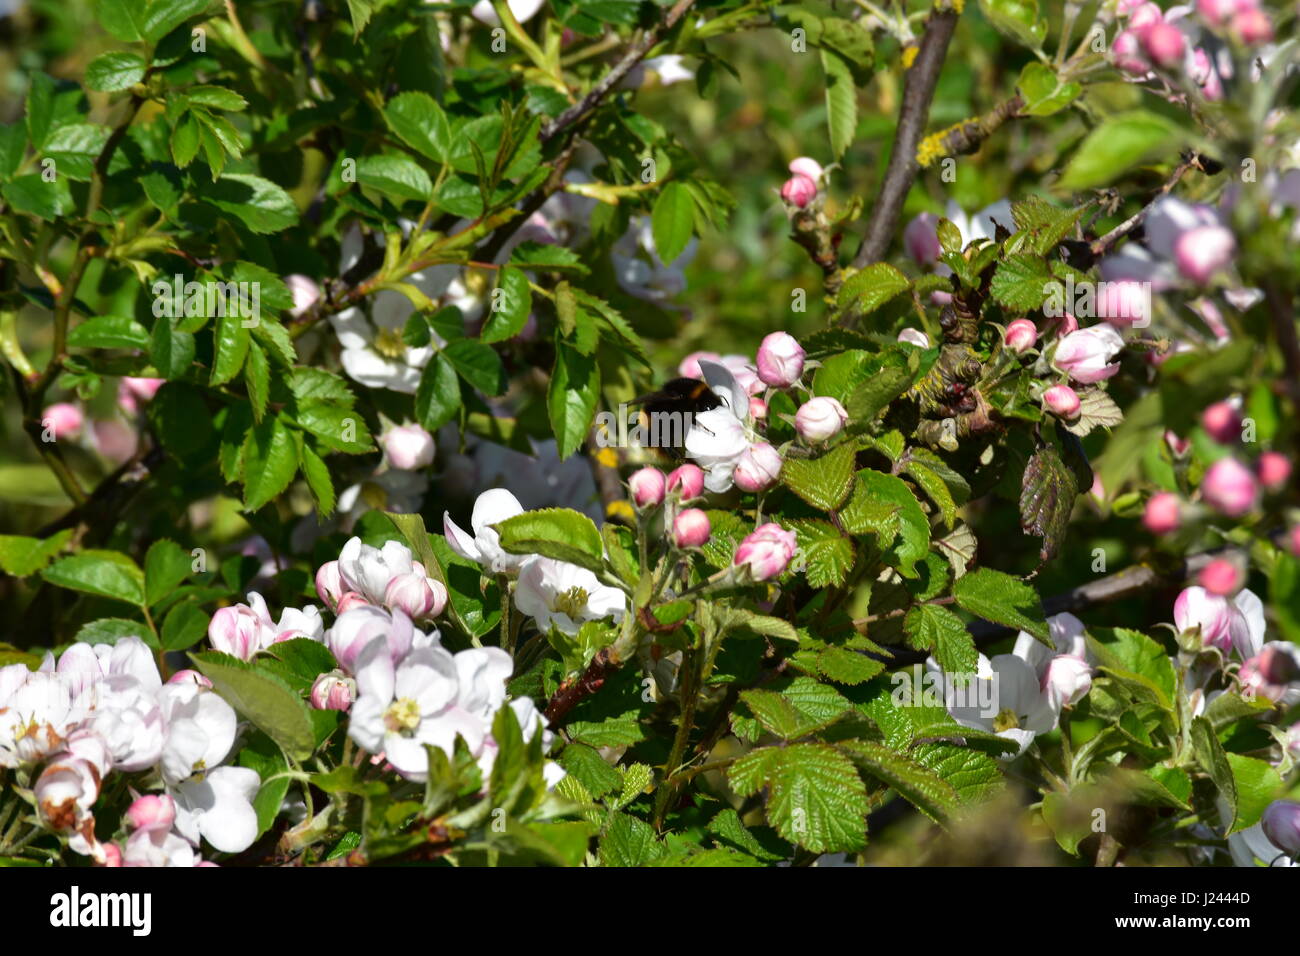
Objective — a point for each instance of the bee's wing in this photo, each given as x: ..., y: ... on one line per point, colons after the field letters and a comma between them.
x: 724, y: 385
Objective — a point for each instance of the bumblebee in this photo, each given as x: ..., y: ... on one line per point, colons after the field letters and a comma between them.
x: 667, y: 415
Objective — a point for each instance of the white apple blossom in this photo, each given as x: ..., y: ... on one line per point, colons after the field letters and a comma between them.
x: 564, y: 595
x: 368, y: 570
x: 720, y: 436
x: 1019, y: 710
x: 484, y: 547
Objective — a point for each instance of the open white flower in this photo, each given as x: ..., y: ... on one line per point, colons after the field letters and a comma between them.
x: 565, y: 595
x: 36, y: 714
x: 1004, y: 697
x: 218, y: 806
x: 720, y: 436
x: 368, y: 570
x: 484, y: 547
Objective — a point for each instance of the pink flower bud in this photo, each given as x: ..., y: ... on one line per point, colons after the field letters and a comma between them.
x: 1221, y: 577
x: 1203, y: 251
x: 1164, y: 43
x: 1295, y: 541
x: 647, y: 486
x: 1062, y: 401
x: 329, y: 584
x: 1196, y: 608
x: 152, y: 812
x: 757, y: 408
x: 1126, y: 51
x: 914, y: 337
x: 766, y: 551
x: 780, y: 360
x: 921, y: 239
x: 1274, y: 469
x: 305, y: 293
x: 188, y: 676
x: 1222, y: 422
x: 1230, y: 488
x: 1281, y: 823
x: 1162, y: 513
x: 239, y: 632
x: 804, y: 166
x: 143, y: 388
x: 1206, y: 76
x: 799, y: 191
x: 333, y: 691
x: 691, y: 528
x: 351, y: 599
x: 112, y: 855
x: 690, y: 366
x: 1253, y: 26
x: 1125, y: 302
x: 1216, y: 12
x: 820, y: 418
x: 1067, y: 679
x: 1179, y: 446
x: 416, y: 595
x: 1021, y: 336
x: 687, y: 480
x: 63, y: 420
x: 758, y: 468
x: 1145, y: 15
x: 408, y: 447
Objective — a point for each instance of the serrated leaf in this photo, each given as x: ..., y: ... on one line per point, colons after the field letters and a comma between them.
x: 913, y: 529
x: 871, y: 287
x: 559, y: 533
x: 1002, y: 599
x: 823, y: 482
x: 270, y: 460
x: 264, y: 698
x: 1023, y: 282
x: 827, y: 555
x: 571, y: 398
x: 113, y: 71
x: 841, y: 101
x: 815, y: 799
x: 1047, y: 493
x: 930, y: 627
x: 921, y: 787
x: 1121, y: 142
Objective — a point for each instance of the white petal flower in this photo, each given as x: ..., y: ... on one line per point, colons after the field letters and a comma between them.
x: 564, y: 595
x: 720, y: 436
x: 218, y: 805
x: 200, y: 730
x: 484, y: 547
x: 368, y: 570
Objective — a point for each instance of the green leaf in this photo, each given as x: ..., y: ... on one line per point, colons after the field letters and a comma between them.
x: 930, y: 627
x: 318, y: 478
x: 1018, y: 19
x: 261, y: 205
x: 1043, y: 91
x: 816, y: 798
x: 672, y: 221
x: 106, y: 573
x: 824, y: 482
x: 124, y: 19
x: 161, y: 17
x: 571, y: 398
x: 264, y: 698
x: 1257, y: 783
x: 841, y: 101
x: 1002, y: 599
x: 788, y: 718
x: 109, y: 630
x: 1047, y: 493
x: 591, y: 769
x: 1210, y: 755
x: 628, y: 841
x: 257, y: 380
x: 397, y: 177
x: 110, y: 72
x: 827, y: 554
x: 890, y: 491
x: 338, y: 428
x: 31, y: 194
x: 1022, y: 282
x: 185, y: 140
x: 230, y: 339
x: 170, y: 351
x: 21, y: 556
x: 262, y: 756
x: 419, y: 122
x: 558, y: 533
x: 270, y: 460
x: 1120, y: 143
x: 935, y: 487
x: 512, y: 300
x: 184, y: 627
x: 217, y: 97
x: 110, y: 332
x: 921, y: 787
x: 869, y: 288
x: 437, y: 397
x: 1128, y: 655
x: 477, y: 364
x: 166, y: 565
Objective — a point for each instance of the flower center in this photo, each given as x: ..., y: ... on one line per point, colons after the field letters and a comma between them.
x: 571, y: 602
x: 389, y: 344
x: 403, y: 717
x: 1006, y: 720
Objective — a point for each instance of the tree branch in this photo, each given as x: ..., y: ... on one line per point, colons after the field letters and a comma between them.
x: 913, y: 114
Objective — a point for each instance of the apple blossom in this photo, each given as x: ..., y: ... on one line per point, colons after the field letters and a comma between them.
x: 408, y: 447
x: 720, y: 436
x: 1203, y: 251
x: 1222, y: 422
x: 1086, y: 355
x: 367, y: 570
x: 1020, y: 336
x: 357, y: 627
x: 921, y: 239
x: 484, y: 546
x: 1163, y: 513
x: 1125, y: 302
x: 333, y: 691
x: 820, y: 418
x: 780, y: 360
x: 329, y: 584
x: 1222, y: 622
x: 1221, y: 577
x: 1126, y: 50
x: 687, y: 480
x: 766, y: 551
x: 1062, y: 401
x: 1020, y: 709
x: 1164, y: 43
x: 556, y: 593
x: 158, y: 847
x: 799, y: 191
x: 758, y: 468
x: 1145, y: 15
x: 691, y: 528
x: 757, y: 408
x: 36, y: 714
x: 152, y: 811
x: 1281, y: 823
x: 806, y: 166
x: 1274, y: 470
x: 1253, y: 25
x: 638, y: 269
x: 1216, y: 12
x: 1066, y: 681
x: 647, y: 486
x: 305, y: 292
x: 351, y: 599
x: 416, y: 595
x: 1230, y: 487
x: 65, y: 792
x: 188, y: 676
x: 218, y: 806
x: 239, y: 631
x: 63, y: 420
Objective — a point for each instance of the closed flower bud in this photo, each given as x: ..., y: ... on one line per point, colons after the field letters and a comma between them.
x: 1178, y: 446
x: 152, y: 812
x: 1221, y: 577
x: 1203, y: 251
x: 647, y: 486
x: 63, y: 420
x: 1253, y: 26
x: 305, y: 293
x: 1162, y: 515
x: 238, y: 631
x: 687, y: 481
x: 1230, y: 488
x: 691, y: 528
x: 1216, y: 12
x: 757, y: 408
x: 1125, y: 302
x: 329, y: 584
x: 1164, y: 44
x: 758, y: 468
x: 1126, y: 50
x: 1145, y: 15
x: 1222, y: 422
x: 780, y: 360
x: 1062, y: 401
x: 333, y: 691
x: 1294, y: 539
x: 820, y: 418
x: 349, y: 600
x: 921, y: 239
x: 416, y: 595
x: 799, y: 191
x: 1021, y: 336
x: 804, y: 166
x: 408, y: 447
x: 1274, y: 469
x: 1086, y: 355
x: 767, y: 551
x: 1281, y: 822
x: 1067, y: 680
x: 112, y: 855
